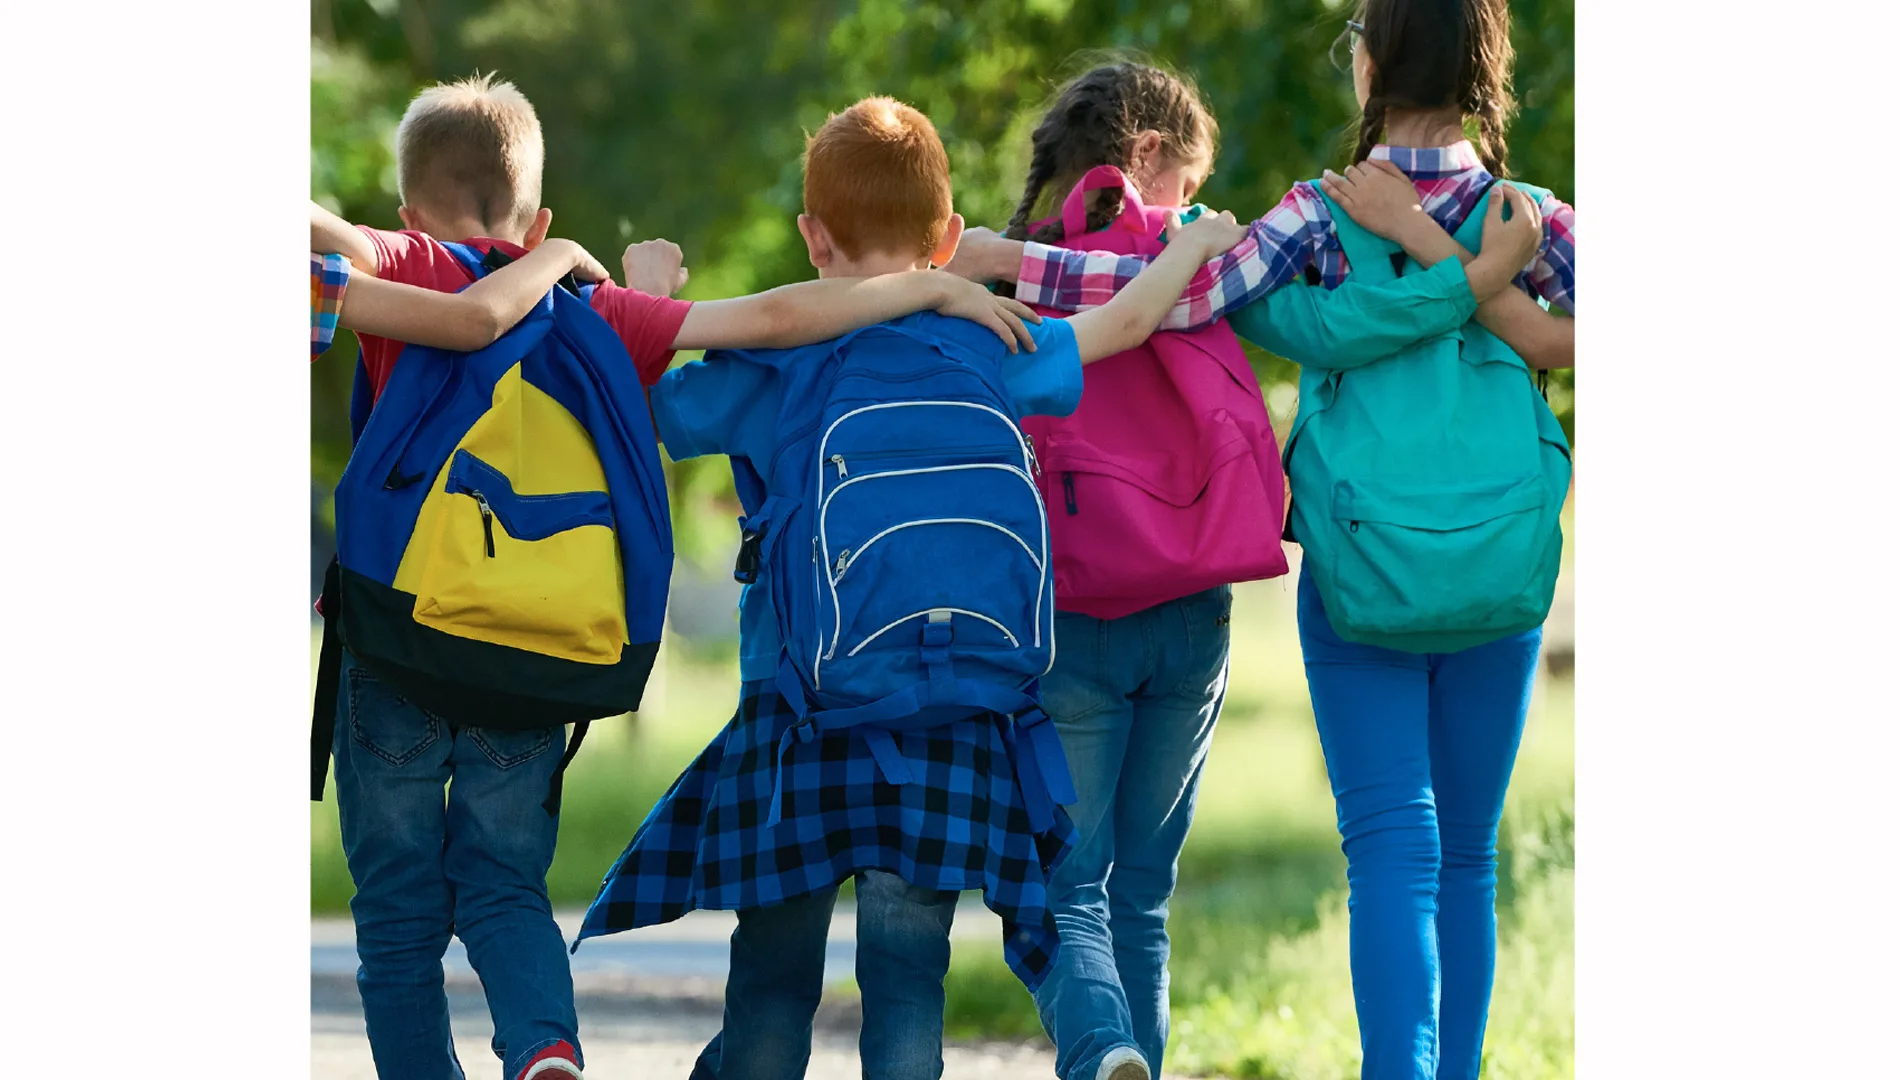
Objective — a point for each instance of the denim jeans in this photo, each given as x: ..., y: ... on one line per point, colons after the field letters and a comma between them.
x: 1419, y: 750
x: 1135, y: 700
x: 778, y: 971
x: 472, y: 863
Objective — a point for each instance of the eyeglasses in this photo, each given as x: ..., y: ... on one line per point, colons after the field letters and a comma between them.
x: 1341, y: 51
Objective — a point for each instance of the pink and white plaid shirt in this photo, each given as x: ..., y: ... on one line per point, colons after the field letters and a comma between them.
x: 1298, y: 234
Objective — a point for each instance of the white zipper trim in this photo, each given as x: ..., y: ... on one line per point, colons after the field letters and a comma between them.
x: 1042, y: 512
x: 831, y: 580
x: 1013, y: 643
x: 866, y: 546
x: 1021, y: 475
x: 1007, y: 422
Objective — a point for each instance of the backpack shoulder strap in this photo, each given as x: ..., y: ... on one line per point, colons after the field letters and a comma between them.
x: 1471, y: 229
x: 475, y: 262
x: 1368, y: 255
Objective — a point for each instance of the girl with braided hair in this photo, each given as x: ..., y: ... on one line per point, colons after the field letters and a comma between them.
x: 1136, y: 697
x: 1419, y: 748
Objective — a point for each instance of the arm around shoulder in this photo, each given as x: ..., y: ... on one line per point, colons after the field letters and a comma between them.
x: 331, y: 235
x: 1137, y: 310
x: 1357, y: 323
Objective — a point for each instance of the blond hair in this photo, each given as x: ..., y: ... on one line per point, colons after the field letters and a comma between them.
x: 471, y: 147
x: 876, y: 174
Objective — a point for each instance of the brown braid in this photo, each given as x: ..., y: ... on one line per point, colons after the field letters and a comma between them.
x: 1094, y: 120
x: 1371, y: 124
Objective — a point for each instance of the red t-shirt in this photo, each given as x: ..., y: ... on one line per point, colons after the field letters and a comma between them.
x: 646, y: 324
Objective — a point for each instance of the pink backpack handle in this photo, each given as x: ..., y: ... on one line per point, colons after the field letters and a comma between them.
x: 1075, y: 208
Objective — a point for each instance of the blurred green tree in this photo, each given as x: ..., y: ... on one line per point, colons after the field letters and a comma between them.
x: 687, y: 121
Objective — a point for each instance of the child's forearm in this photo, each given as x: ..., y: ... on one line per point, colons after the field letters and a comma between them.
x: 1541, y: 338
x: 808, y: 311
x: 1429, y: 244
x: 466, y: 321
x: 1136, y: 311
x: 814, y: 311
x: 1357, y: 323
x: 331, y: 235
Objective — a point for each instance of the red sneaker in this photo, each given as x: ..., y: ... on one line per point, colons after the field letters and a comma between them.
x: 557, y: 1062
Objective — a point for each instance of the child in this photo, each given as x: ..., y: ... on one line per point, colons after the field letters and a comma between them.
x: 877, y: 201
x: 469, y: 166
x: 1419, y: 747
x: 1139, y: 679
x: 463, y: 321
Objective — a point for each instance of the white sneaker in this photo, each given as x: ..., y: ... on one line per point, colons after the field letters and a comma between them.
x: 1123, y: 1063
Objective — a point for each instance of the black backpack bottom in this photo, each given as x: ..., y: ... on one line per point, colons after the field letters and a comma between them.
x: 466, y: 683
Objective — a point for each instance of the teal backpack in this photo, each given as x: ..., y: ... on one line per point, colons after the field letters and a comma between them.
x: 1427, y: 485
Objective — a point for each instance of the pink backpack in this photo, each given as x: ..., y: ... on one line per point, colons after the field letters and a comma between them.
x: 1167, y: 480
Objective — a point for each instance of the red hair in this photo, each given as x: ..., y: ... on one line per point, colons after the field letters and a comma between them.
x: 877, y: 175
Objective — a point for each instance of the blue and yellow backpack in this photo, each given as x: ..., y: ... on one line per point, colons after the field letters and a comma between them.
x: 1427, y: 485
x: 503, y: 539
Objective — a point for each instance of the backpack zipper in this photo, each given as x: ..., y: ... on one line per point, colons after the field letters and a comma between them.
x: 488, y: 520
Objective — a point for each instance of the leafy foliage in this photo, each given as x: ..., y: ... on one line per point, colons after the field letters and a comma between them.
x: 687, y: 120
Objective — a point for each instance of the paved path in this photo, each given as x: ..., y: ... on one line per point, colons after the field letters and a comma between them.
x: 648, y: 1001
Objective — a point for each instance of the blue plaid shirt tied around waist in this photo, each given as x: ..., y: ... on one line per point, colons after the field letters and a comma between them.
x: 782, y: 804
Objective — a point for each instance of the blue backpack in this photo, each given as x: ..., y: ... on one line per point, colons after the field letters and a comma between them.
x: 907, y: 544
x: 503, y: 540
x: 1427, y: 485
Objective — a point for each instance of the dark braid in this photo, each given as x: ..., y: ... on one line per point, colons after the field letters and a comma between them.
x: 1042, y: 165
x: 1371, y: 124
x: 1491, y: 145
x: 1094, y: 120
x: 1484, y: 85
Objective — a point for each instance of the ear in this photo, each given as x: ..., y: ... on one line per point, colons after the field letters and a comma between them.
x: 952, y: 235
x: 817, y: 241
x: 1143, y: 150
x: 538, y: 230
x: 411, y: 220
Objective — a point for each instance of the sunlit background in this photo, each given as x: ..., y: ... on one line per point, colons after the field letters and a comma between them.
x: 685, y: 120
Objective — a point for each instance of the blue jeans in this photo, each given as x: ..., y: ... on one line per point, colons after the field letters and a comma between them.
x: 1135, y: 700
x: 778, y: 974
x: 473, y: 863
x: 1419, y: 750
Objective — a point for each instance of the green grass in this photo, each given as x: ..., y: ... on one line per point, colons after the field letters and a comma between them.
x: 623, y: 768
x: 1260, y: 982
x: 1261, y: 987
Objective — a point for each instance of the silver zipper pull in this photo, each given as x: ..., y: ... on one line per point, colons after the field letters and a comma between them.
x: 838, y: 460
x: 488, y: 521
x: 1035, y: 463
x: 837, y: 569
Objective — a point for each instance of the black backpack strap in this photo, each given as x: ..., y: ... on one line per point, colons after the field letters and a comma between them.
x: 329, y: 674
x: 553, y: 803
x: 496, y: 258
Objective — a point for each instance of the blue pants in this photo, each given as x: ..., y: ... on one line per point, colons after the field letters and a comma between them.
x: 778, y: 974
x: 1135, y: 700
x: 473, y: 863
x: 1419, y: 750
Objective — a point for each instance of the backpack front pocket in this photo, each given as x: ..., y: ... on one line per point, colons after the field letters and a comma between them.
x: 964, y: 541
x: 1420, y: 558
x: 539, y: 573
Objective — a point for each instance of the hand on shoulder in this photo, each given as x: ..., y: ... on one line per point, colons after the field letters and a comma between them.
x: 1209, y: 235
